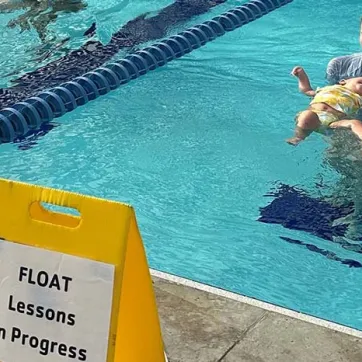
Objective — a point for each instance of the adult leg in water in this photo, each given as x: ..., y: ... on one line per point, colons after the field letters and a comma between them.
x: 354, y: 125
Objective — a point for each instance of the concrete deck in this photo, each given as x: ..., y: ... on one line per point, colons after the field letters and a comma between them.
x: 199, y: 326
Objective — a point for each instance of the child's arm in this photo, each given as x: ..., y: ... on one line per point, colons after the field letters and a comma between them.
x: 303, y: 81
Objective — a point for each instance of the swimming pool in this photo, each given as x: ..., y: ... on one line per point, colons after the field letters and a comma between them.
x: 196, y: 145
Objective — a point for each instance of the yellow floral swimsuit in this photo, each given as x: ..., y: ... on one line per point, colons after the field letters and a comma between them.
x: 341, y: 99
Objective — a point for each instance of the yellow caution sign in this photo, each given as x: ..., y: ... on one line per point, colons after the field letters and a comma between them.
x: 73, y: 288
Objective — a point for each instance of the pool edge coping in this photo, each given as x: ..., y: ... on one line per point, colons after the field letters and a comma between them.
x: 257, y: 303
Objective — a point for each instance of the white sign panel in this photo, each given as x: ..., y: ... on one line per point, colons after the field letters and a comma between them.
x: 53, y: 307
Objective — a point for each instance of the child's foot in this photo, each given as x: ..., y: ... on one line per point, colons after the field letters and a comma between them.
x: 294, y: 141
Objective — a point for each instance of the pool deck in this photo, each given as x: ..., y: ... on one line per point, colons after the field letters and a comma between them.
x: 204, y: 324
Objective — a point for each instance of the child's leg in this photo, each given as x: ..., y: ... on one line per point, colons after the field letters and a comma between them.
x: 354, y: 124
x: 307, y: 122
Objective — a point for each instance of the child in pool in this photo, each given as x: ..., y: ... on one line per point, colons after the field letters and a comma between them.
x: 331, y: 107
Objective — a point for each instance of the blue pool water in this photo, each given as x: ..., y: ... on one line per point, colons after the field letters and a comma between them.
x: 196, y: 145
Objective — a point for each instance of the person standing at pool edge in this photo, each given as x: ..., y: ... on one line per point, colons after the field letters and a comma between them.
x: 331, y: 107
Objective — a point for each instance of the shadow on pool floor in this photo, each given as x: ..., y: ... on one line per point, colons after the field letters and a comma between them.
x: 294, y: 209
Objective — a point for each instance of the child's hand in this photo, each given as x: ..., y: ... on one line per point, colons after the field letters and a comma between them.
x: 297, y: 71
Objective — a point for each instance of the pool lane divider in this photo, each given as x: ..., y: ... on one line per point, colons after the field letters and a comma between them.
x: 21, y: 118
